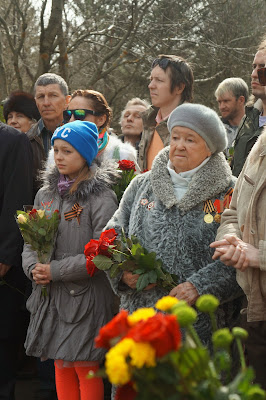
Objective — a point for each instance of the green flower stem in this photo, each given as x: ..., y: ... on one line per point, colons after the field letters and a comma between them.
x: 213, y: 321
x: 241, y: 354
x: 4, y: 282
x: 192, y: 331
x: 119, y: 252
x: 213, y: 374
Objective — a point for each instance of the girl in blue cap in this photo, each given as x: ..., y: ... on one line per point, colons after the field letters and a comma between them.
x: 63, y: 324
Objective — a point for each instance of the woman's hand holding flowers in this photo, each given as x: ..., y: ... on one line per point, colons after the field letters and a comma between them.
x: 42, y: 274
x: 185, y: 291
x: 131, y: 280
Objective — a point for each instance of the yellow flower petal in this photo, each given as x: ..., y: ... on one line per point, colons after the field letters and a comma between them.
x: 140, y: 315
x: 166, y: 303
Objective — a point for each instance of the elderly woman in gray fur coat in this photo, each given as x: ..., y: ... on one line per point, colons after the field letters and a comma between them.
x: 171, y: 211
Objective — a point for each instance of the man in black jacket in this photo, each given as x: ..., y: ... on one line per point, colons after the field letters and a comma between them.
x: 15, y: 191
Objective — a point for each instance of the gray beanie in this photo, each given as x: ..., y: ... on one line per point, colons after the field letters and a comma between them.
x: 202, y: 120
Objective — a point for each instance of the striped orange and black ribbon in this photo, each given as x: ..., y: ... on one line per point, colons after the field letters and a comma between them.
x: 75, y: 212
x: 208, y: 206
x: 228, y: 197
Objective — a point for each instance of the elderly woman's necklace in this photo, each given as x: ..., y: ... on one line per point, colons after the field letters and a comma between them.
x: 208, y: 207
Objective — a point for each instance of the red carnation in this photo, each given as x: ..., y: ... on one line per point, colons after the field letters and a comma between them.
x: 125, y: 392
x: 161, y: 331
x: 125, y: 165
x: 117, y: 328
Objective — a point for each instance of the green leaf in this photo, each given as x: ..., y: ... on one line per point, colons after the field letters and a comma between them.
x: 139, y: 271
x: 102, y: 262
x: 142, y: 282
x: 136, y: 249
x: 114, y: 270
x: 42, y: 231
x: 152, y: 276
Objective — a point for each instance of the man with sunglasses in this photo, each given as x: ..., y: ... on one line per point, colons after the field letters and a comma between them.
x: 253, y: 122
x: 51, y: 96
x: 171, y: 84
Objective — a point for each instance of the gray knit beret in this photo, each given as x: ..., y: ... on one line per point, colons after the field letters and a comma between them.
x: 202, y: 120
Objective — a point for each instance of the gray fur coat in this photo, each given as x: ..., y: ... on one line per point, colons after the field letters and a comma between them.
x: 176, y: 231
x: 63, y: 325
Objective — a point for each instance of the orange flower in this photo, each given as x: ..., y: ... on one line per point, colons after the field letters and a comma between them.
x: 161, y: 331
x: 117, y: 328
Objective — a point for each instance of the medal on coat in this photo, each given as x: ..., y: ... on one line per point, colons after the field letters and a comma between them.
x: 208, y: 207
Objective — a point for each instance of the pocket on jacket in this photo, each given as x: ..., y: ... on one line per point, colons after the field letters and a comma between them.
x: 249, y: 180
x: 73, y: 301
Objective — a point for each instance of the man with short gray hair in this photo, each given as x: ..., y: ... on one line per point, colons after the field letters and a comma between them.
x: 51, y: 96
x: 131, y: 121
x: 232, y: 95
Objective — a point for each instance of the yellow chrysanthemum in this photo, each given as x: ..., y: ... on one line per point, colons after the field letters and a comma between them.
x: 166, y: 303
x: 140, y: 315
x: 142, y: 354
x: 122, y: 348
x: 117, y: 370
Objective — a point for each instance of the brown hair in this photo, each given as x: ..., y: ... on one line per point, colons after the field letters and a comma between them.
x: 99, y: 102
x: 84, y: 174
x: 180, y: 72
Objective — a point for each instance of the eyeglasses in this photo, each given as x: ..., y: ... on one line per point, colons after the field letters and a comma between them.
x: 78, y: 114
x: 262, y: 76
x: 164, y: 63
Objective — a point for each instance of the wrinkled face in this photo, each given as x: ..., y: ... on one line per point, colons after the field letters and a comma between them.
x: 131, y: 124
x: 19, y: 121
x: 159, y: 86
x: 229, y: 106
x: 67, y: 159
x: 51, y: 102
x: 187, y: 149
x: 80, y: 103
x: 258, y: 62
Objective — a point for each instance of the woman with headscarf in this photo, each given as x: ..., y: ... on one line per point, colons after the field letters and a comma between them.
x: 171, y: 210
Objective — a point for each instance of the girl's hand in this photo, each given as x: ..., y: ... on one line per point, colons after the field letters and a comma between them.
x: 185, y: 291
x: 41, y: 274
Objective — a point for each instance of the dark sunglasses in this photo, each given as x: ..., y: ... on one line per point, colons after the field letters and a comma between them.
x: 164, y: 63
x: 78, y: 114
x: 262, y: 76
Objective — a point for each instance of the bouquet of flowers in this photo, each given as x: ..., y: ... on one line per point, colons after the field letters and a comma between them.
x: 38, y: 229
x: 127, y: 169
x: 126, y: 254
x: 147, y: 359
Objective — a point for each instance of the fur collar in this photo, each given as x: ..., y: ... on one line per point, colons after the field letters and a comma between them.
x: 104, y: 175
x: 212, y: 179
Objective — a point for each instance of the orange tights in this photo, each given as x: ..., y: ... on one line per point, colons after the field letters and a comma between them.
x: 72, y: 384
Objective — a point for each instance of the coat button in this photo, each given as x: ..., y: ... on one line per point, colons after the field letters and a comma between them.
x: 252, y: 231
x: 72, y: 292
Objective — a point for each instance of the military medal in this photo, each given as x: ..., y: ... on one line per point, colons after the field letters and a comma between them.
x: 208, y: 218
x: 208, y: 207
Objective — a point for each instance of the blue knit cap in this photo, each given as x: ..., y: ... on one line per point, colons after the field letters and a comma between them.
x: 82, y: 135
